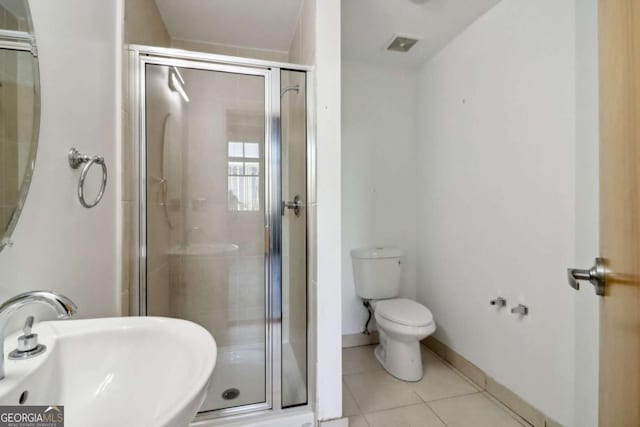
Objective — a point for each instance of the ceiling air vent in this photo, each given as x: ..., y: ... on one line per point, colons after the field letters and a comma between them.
x: 402, y: 43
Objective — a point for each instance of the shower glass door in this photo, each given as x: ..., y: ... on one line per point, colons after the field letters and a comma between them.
x: 223, y: 218
x: 206, y: 259
x: 294, y: 237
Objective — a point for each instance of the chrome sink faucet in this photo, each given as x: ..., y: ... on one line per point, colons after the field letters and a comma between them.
x: 62, y: 305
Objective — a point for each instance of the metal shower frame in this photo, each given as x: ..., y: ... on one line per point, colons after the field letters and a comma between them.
x: 139, y: 57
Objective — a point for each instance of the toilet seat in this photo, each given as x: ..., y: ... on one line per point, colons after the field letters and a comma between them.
x: 404, y: 312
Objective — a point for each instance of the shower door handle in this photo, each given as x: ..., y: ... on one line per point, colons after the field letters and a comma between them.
x: 596, y: 275
x: 296, y: 204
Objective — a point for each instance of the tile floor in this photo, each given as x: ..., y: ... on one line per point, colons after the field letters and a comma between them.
x: 443, y: 398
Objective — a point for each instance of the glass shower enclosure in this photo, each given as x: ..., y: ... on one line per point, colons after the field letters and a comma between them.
x: 222, y: 216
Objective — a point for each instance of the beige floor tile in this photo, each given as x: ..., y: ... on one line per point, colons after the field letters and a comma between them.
x: 408, y: 416
x: 528, y: 423
x: 440, y: 380
x: 375, y: 391
x: 358, y: 421
x: 349, y: 405
x: 475, y: 410
x: 359, y: 359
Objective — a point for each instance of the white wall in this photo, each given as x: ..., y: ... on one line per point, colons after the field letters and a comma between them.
x: 587, y: 324
x: 326, y: 213
x: 60, y: 245
x: 497, y: 197
x: 379, y: 169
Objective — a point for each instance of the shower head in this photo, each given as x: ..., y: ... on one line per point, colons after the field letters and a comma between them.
x: 295, y: 89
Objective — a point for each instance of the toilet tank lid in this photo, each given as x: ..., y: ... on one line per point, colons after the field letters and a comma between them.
x: 375, y: 253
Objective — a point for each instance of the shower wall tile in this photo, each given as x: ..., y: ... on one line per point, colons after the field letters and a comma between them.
x: 199, y: 283
x: 128, y: 253
x: 308, y: 32
x: 295, y: 50
x: 144, y: 25
x: 129, y: 159
x: 225, y: 294
x: 129, y: 184
x: 157, y: 237
x: 247, y: 286
x: 128, y: 258
x: 8, y: 21
x: 158, y: 292
x: 302, y: 49
x: 228, y: 333
x: 164, y: 108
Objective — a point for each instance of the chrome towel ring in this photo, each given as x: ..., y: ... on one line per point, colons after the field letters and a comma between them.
x: 75, y: 160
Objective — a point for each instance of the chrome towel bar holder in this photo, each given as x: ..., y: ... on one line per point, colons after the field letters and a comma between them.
x: 75, y: 161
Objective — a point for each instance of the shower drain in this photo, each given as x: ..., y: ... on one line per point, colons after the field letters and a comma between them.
x: 230, y: 393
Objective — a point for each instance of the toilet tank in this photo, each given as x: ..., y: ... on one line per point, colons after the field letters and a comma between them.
x: 376, y: 272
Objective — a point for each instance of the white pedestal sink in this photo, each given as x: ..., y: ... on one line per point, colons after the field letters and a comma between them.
x: 127, y: 371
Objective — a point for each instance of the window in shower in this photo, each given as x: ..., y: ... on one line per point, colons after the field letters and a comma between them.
x: 244, y: 176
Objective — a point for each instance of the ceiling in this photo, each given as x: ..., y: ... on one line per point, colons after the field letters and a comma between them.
x: 247, y: 23
x: 369, y: 25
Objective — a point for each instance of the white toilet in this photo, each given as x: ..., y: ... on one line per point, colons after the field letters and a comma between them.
x: 402, y: 323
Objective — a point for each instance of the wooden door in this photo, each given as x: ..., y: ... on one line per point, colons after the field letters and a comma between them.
x: 619, y: 22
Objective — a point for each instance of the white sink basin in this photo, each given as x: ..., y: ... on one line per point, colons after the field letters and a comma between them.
x: 126, y: 371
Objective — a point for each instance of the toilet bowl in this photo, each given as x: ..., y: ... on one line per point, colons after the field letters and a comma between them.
x: 402, y: 323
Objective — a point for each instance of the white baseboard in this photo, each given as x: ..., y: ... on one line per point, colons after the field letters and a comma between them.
x: 498, y: 391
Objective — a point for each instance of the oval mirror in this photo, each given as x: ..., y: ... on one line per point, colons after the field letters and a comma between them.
x: 19, y: 111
